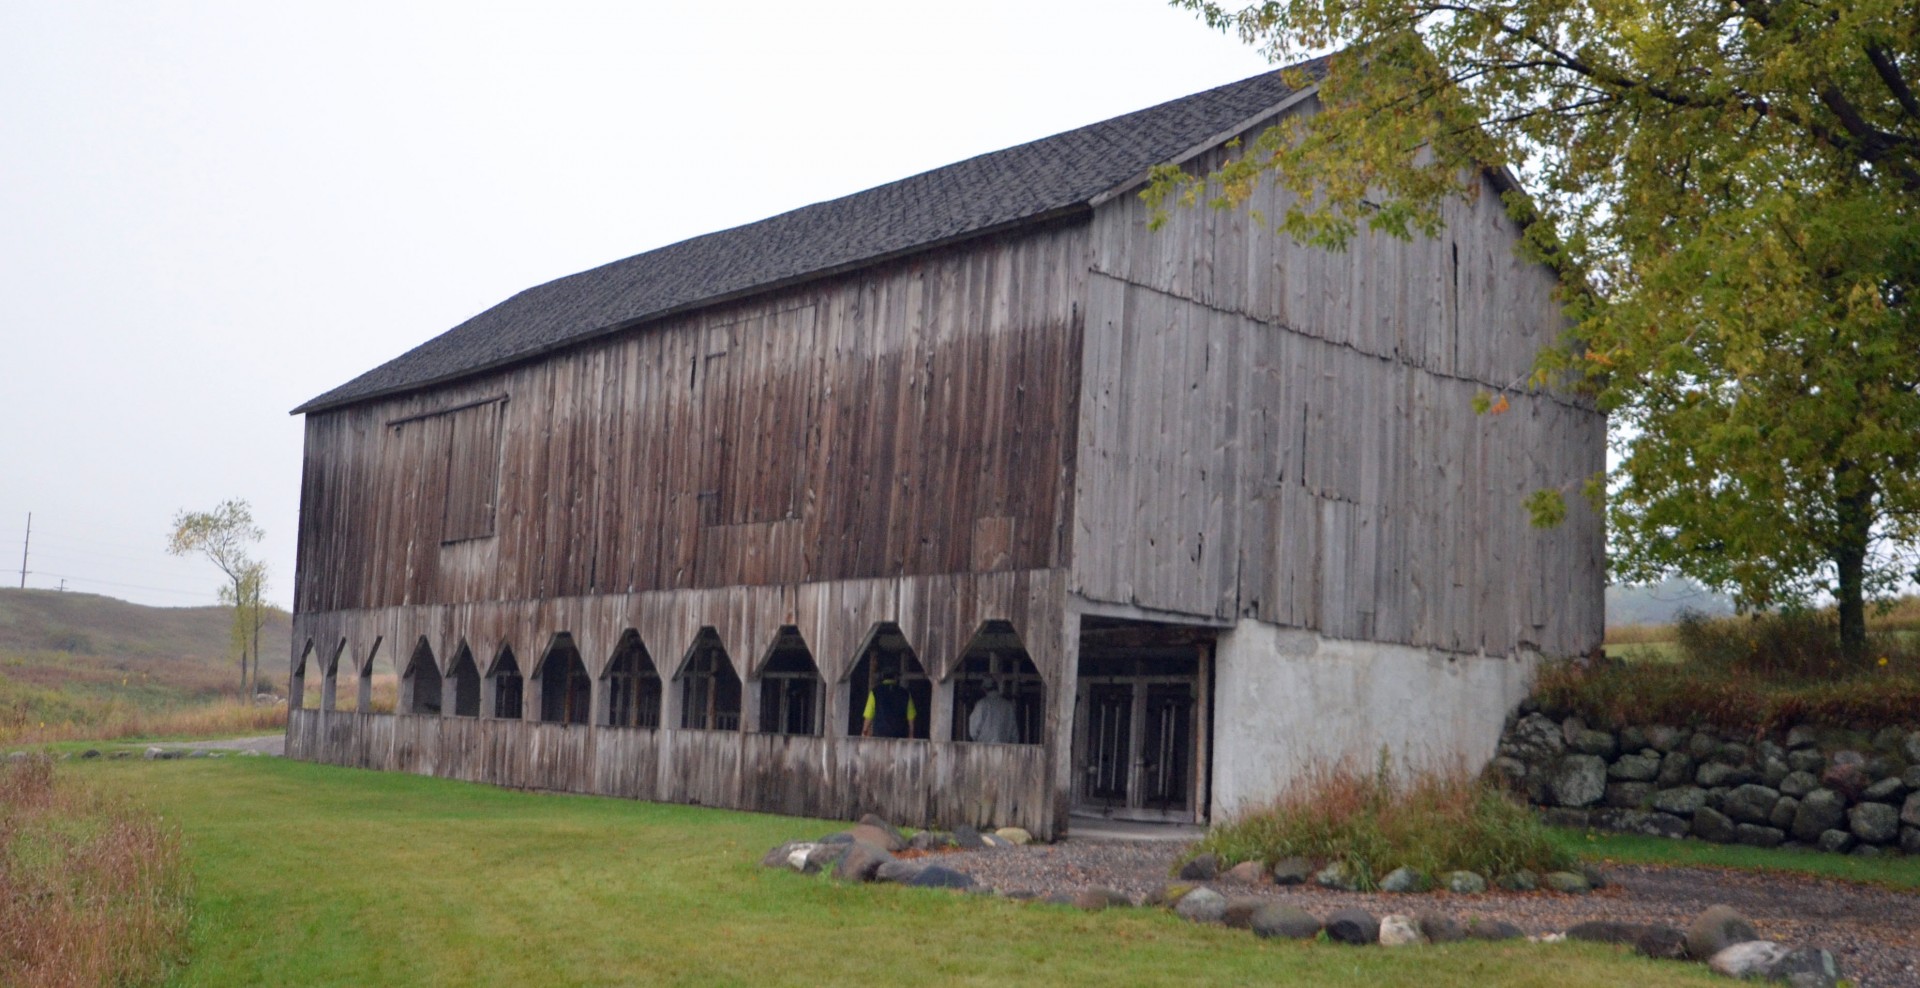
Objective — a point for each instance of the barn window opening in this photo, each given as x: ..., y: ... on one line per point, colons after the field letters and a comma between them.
x: 633, y: 685
x: 566, y: 694
x: 330, y: 677
x: 297, y: 681
x: 709, y: 688
x: 509, y: 689
x: 466, y: 683
x: 888, y: 692
x: 998, y: 696
x: 790, y: 693
x: 420, y: 684
x: 459, y: 449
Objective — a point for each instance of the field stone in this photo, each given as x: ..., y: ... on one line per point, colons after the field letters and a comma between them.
x: 1577, y: 780
x: 1675, y: 769
x: 1642, y: 822
x: 1821, y: 809
x: 1663, y: 738
x: 1567, y: 882
x: 1798, y: 784
x: 878, y: 836
x: 1880, y: 766
x: 1874, y: 823
x: 1406, y: 879
x: 1733, y: 753
x: 1098, y: 898
x: 1202, y: 868
x: 782, y: 856
x: 1783, y: 813
x: 1715, y: 774
x: 1711, y: 825
x: 1633, y: 738
x: 862, y: 860
x: 1481, y: 928
x: 1464, y: 882
x: 1910, y: 813
x: 1202, y: 905
x: 1661, y: 943
x: 1910, y: 840
x: 1167, y: 895
x: 1716, y: 929
x: 825, y: 856
x: 1752, y: 959
x: 897, y: 870
x: 1751, y: 804
x: 1285, y: 921
x: 1337, y: 876
x: 1536, y: 740
x: 1246, y: 873
x: 1628, y: 795
x: 1773, y: 771
x: 1017, y: 836
x: 1680, y: 800
x: 1846, y: 773
x: 1912, y: 777
x: 1240, y: 910
x: 1607, y: 931
x: 1806, y: 760
x: 1865, y: 851
x: 1523, y: 880
x: 1441, y: 928
x: 1887, y: 790
x: 931, y: 840
x: 1911, y: 748
x: 1754, y: 835
x: 1292, y: 871
x: 1807, y: 967
x: 968, y: 838
x: 1702, y: 745
x: 1400, y: 930
x: 1802, y: 736
x: 1634, y: 768
x: 1353, y: 926
x: 940, y: 877
x: 1835, y: 841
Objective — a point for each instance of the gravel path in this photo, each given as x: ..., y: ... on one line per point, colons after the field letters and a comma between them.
x: 1874, y: 933
x: 266, y: 744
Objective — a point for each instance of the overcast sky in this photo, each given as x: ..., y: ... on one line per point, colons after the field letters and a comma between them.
x: 211, y: 212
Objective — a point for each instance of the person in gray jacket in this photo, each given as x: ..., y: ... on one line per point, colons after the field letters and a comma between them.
x: 993, y: 720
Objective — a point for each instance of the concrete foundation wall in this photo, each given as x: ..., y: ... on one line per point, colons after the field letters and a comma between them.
x: 1287, y: 700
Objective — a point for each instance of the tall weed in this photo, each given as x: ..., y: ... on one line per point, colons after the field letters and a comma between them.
x: 1374, y: 823
x: 92, y: 891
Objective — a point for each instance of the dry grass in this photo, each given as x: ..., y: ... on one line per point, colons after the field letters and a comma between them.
x: 92, y: 891
x: 1639, y: 634
x: 113, y: 721
x: 346, y: 696
x: 1685, y: 694
x: 1900, y: 615
x: 1436, y: 823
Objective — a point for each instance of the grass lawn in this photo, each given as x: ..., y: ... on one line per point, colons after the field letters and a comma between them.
x: 315, y: 875
x: 1901, y: 873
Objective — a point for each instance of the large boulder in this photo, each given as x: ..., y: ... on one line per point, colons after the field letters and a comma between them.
x: 1846, y: 774
x: 1634, y: 768
x: 1676, y: 768
x: 1874, y: 823
x: 1752, y: 959
x: 1887, y: 790
x: 824, y: 857
x: 877, y: 835
x: 784, y: 855
x: 1336, y: 875
x: 1661, y: 943
x: 1716, y: 774
x: 1733, y: 753
x: 1798, y: 784
x: 1464, y: 882
x: 1353, y: 926
x: 1641, y: 822
x: 1821, y: 809
x: 1716, y: 929
x: 1751, y: 804
x: 1406, y: 879
x: 1567, y: 882
x: 899, y: 870
x: 1292, y: 871
x: 1783, y: 813
x: 1535, y: 740
x: 1523, y: 880
x: 1755, y: 835
x: 1834, y: 841
x: 1202, y: 868
x: 1285, y: 921
x: 1803, y: 736
x: 1807, y: 760
x: 1807, y: 967
x: 1628, y: 795
x: 1095, y: 899
x: 940, y: 877
x: 1240, y: 910
x: 1910, y: 813
x: 1202, y: 905
x: 1577, y: 780
x: 1664, y: 739
x: 1481, y: 928
x: 1441, y: 928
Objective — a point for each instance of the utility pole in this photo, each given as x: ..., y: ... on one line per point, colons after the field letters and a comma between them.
x: 24, y: 545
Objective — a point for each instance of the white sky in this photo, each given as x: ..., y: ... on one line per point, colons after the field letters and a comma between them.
x: 211, y: 212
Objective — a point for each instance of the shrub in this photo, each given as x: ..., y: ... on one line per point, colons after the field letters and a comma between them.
x: 1615, y: 694
x: 92, y: 891
x: 1373, y: 824
x: 1793, y: 644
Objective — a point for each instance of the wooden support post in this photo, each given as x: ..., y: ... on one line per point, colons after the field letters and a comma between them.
x: 601, y: 693
x: 1060, y: 725
x: 940, y: 718
x: 1202, y: 732
x: 489, y: 695
x: 329, y: 686
x: 449, y: 695
x: 365, y: 697
x: 750, y: 706
x: 297, y: 687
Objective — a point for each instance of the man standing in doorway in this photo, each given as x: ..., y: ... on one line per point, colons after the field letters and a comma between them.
x: 890, y: 712
x: 993, y: 720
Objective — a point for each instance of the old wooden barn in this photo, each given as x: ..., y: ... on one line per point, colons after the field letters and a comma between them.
x: 1206, y: 506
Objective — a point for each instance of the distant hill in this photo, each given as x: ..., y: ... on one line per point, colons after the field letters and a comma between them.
x: 1663, y: 602
x: 131, y: 636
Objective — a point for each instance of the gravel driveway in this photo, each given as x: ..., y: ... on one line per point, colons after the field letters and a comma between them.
x: 1873, y: 932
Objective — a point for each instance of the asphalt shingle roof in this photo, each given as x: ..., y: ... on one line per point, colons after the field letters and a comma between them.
x: 1034, y: 181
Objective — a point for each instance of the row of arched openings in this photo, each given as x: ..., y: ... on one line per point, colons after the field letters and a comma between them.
x: 888, y: 691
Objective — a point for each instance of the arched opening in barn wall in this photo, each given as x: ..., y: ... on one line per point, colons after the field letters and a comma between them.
x: 507, y: 686
x: 363, y: 673
x: 633, y: 685
x: 466, y: 683
x: 566, y: 692
x: 889, y: 688
x: 330, y: 676
x: 709, y: 688
x: 791, y: 698
x: 420, y: 683
x: 997, y: 680
x: 297, y: 681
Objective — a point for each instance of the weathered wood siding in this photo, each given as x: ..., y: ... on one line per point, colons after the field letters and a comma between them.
x: 910, y: 782
x: 913, y: 419
x: 1280, y: 432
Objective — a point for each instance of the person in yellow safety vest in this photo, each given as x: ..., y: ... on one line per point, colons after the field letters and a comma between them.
x: 890, y: 711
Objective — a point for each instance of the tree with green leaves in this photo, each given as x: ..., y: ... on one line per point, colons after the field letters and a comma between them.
x: 224, y: 536
x: 1731, y: 192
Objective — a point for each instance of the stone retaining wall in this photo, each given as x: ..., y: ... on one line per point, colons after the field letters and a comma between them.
x: 1833, y: 790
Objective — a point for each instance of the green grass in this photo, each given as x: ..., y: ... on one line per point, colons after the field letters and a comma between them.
x: 1896, y: 873
x: 315, y: 875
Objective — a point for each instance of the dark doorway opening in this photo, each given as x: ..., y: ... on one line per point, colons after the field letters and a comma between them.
x: 1141, y: 713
